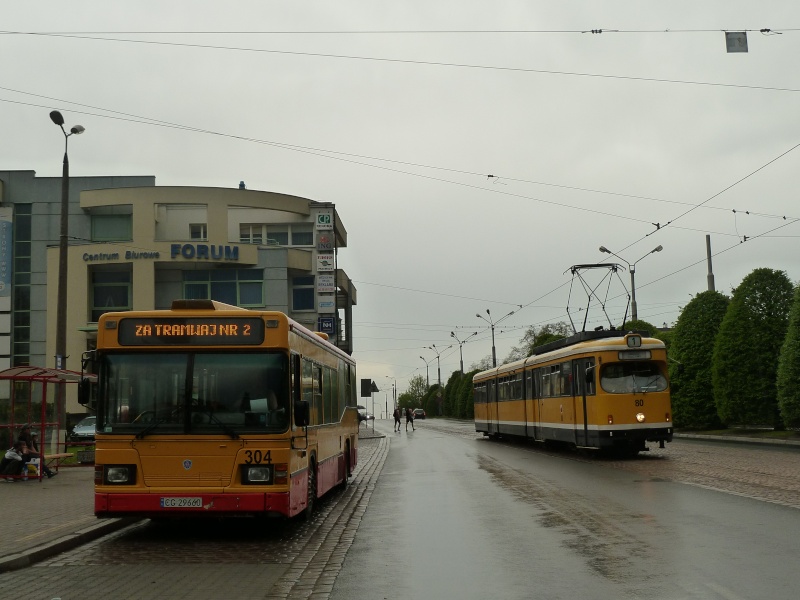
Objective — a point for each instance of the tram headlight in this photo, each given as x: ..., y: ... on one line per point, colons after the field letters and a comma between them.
x: 640, y: 417
x: 120, y: 474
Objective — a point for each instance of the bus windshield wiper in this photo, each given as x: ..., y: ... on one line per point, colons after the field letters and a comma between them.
x: 149, y: 428
x: 223, y: 426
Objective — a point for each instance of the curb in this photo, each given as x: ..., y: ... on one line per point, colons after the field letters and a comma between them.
x: 68, y: 542
x: 737, y: 439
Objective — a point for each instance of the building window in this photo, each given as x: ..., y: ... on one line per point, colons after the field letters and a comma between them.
x: 303, y: 293
x: 302, y: 234
x: 21, y: 254
x: 278, y: 235
x: 112, y: 228
x: 111, y: 291
x: 251, y: 233
x: 197, y: 231
x: 239, y: 287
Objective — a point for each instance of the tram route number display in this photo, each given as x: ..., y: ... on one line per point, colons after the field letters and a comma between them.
x: 191, y: 331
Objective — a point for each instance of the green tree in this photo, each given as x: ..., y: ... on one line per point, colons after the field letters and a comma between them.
x: 483, y: 364
x: 533, y: 338
x: 450, y: 404
x: 465, y: 396
x: 747, y: 348
x: 431, y: 401
x: 640, y: 325
x: 788, y: 383
x: 690, y: 371
x: 417, y: 387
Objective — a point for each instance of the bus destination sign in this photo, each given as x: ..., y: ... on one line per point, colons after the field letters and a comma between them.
x: 191, y: 331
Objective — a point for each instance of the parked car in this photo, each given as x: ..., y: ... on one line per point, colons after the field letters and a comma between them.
x: 419, y: 413
x: 84, y: 430
x: 365, y: 416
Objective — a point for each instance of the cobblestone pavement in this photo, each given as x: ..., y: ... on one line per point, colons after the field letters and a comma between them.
x: 281, y: 559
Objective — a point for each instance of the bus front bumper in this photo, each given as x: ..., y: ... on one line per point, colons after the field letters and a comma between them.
x: 191, y: 504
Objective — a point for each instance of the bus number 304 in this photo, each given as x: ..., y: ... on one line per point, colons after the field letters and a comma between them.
x: 257, y: 457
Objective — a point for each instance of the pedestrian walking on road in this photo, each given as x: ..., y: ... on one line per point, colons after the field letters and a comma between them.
x: 397, y: 419
x: 410, y: 418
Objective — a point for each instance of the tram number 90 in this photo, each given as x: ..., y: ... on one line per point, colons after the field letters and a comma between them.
x: 639, y: 402
x: 256, y: 457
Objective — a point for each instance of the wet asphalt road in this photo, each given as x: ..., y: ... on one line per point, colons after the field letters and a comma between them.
x: 443, y: 513
x: 460, y: 517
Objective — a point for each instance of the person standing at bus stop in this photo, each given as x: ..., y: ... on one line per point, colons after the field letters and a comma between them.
x: 33, y: 449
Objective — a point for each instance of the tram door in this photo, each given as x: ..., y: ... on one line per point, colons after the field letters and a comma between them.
x: 530, y: 413
x: 491, y: 405
x: 582, y: 369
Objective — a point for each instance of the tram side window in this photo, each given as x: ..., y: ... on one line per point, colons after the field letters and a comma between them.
x: 565, y: 379
x: 518, y: 386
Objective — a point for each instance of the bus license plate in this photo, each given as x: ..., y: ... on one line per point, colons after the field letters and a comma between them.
x: 181, y: 502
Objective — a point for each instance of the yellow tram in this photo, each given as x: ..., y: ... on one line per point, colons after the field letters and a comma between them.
x: 598, y: 390
x: 211, y: 410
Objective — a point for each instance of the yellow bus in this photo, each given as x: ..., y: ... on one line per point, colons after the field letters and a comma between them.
x: 209, y: 409
x: 598, y: 390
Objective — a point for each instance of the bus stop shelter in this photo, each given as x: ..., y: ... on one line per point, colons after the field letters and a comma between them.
x: 32, y: 396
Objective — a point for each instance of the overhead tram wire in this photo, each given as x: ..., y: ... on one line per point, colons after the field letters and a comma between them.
x: 429, y: 63
x: 325, y: 153
x: 402, y: 31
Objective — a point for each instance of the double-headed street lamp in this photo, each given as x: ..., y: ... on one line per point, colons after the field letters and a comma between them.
x: 427, y: 373
x: 61, y: 308
x: 632, y: 269
x: 460, y: 344
x: 492, y: 324
x: 439, y: 372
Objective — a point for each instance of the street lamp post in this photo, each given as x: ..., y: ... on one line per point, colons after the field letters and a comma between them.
x: 394, y: 395
x: 460, y: 344
x: 492, y: 324
x: 632, y: 269
x: 61, y: 307
x: 439, y: 372
x: 427, y: 373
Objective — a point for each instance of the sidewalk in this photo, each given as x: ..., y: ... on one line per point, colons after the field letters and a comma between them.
x: 43, y: 518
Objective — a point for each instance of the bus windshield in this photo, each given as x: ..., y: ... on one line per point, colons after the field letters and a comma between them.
x: 195, y: 393
x: 632, y: 377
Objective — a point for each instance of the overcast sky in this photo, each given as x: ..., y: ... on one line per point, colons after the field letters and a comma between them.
x: 475, y: 151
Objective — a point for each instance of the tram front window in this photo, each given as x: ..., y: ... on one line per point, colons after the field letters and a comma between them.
x: 632, y: 377
x: 194, y: 393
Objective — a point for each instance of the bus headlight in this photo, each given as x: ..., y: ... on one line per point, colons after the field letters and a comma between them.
x: 256, y: 474
x: 640, y: 417
x: 120, y: 474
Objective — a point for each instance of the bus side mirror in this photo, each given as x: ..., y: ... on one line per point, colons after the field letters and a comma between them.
x: 301, y: 413
x: 85, y: 391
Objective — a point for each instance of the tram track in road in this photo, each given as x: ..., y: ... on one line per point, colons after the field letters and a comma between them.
x: 770, y: 474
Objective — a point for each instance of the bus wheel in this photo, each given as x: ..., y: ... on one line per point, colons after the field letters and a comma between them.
x: 312, y: 490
